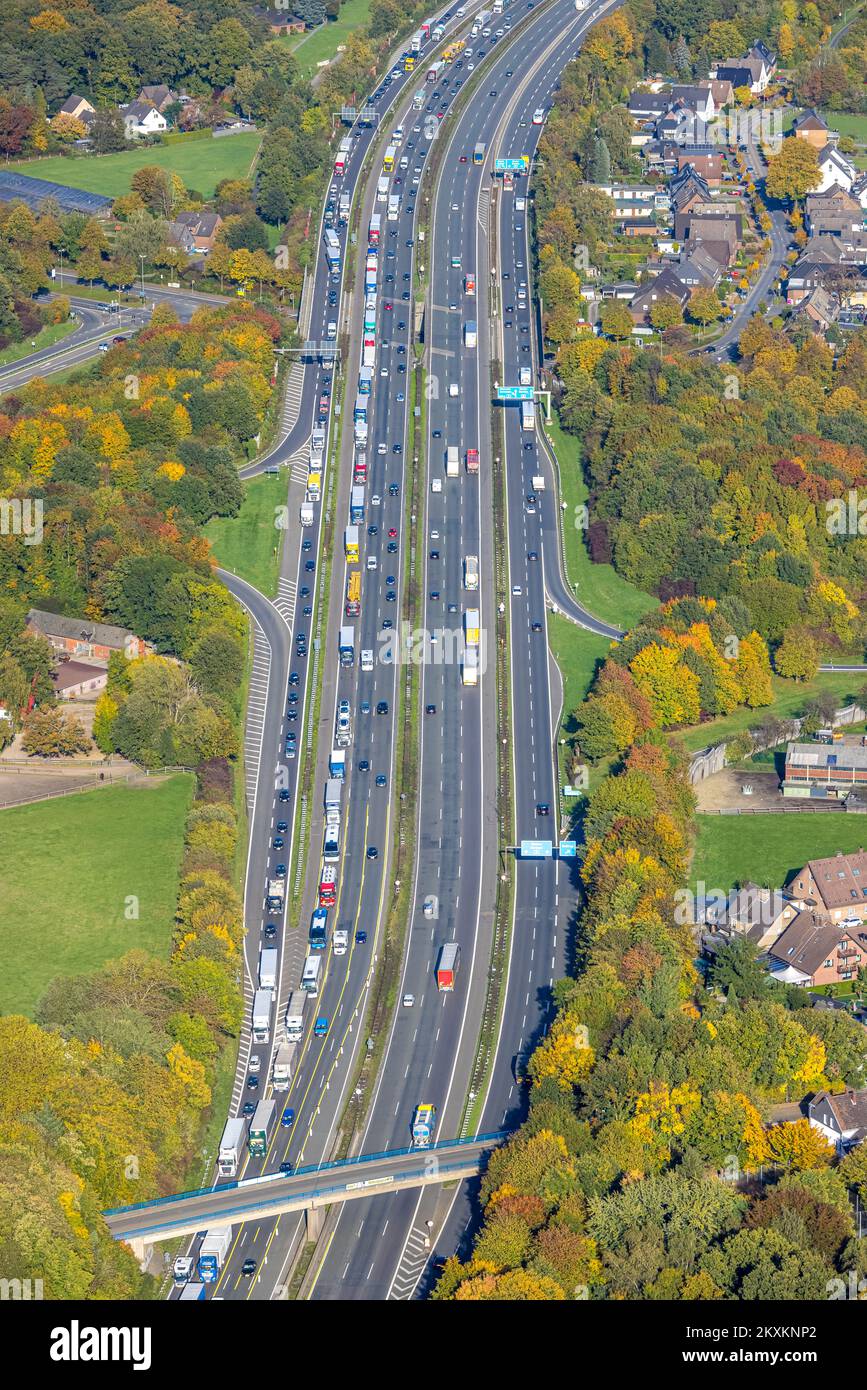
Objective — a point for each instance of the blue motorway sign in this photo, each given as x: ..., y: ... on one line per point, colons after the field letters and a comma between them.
x: 568, y: 849
x: 536, y: 849
x: 511, y: 166
x: 514, y: 393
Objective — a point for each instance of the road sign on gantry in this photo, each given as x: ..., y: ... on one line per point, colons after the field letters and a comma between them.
x: 510, y: 166
x: 568, y: 849
x: 514, y: 393
x: 536, y: 849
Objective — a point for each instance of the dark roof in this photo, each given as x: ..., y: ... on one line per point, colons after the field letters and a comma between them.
x: 809, y: 939
x: 849, y: 1108
x: 15, y: 187
x: 666, y: 283
x: 738, y: 76
x: 809, y: 120
x: 78, y: 629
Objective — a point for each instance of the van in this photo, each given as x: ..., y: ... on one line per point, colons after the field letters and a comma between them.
x: 367, y: 658
x: 404, y: 162
x: 331, y: 331
x: 372, y: 562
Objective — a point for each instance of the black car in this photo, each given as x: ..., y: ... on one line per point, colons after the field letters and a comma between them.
x: 543, y: 809
x: 372, y: 852
x: 393, y: 489
x: 293, y: 697
x: 435, y: 555
x: 270, y: 930
x: 535, y: 627
x: 286, y: 1168
x: 391, y: 596
x: 306, y: 545
x: 392, y: 547
x: 373, y: 530
x: 278, y: 842
x: 248, y: 1108
x: 294, y: 678
x: 279, y: 870
x: 363, y: 765
x: 382, y: 707
x: 283, y: 794
x: 282, y: 827
x: 305, y: 591
x: 360, y: 938
x: 252, y: 1083
x: 292, y: 713
x: 430, y: 709
x: 248, y: 1268
x: 434, y: 593
x: 309, y: 566
x: 436, y: 434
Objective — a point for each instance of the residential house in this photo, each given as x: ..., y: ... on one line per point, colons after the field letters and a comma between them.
x: 81, y: 637
x: 666, y: 285
x: 806, y: 274
x: 142, y: 118
x: 833, y: 211
x: 79, y: 108
x: 840, y: 1117
x: 196, y: 231
x: 706, y: 160
x: 698, y: 269
x: 820, y: 307
x: 697, y: 99
x: 760, y: 914
x: 822, y: 770
x: 159, y: 96
x: 720, y: 235
x: 837, y: 886
x: 814, y: 951
x: 859, y: 191
x: 722, y: 92
x: 754, y: 70
x: 639, y: 224
x: 646, y: 105
x: 685, y: 186
x: 810, y: 126
x: 834, y: 167
x: 279, y: 21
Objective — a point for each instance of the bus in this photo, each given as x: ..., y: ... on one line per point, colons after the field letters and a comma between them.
x: 528, y: 415
x: 310, y: 975
x: 388, y: 160
x: 479, y: 153
x: 327, y: 886
x: 353, y: 594
x: 471, y: 573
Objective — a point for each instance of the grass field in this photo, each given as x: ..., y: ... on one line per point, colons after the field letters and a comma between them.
x: 201, y: 165
x: 766, y: 849
x: 249, y: 543
x: 599, y: 587
x: 790, y: 697
x: 46, y: 337
x: 577, y: 653
x: 69, y: 868
x: 321, y: 44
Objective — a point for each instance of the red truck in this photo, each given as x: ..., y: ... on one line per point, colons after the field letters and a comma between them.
x: 447, y: 965
x: 472, y: 460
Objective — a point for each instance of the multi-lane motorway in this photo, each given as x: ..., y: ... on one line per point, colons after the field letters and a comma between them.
x: 380, y: 1248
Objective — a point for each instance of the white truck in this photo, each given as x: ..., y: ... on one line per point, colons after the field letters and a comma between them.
x: 539, y: 484
x: 295, y: 1015
x: 340, y: 941
x: 525, y: 376
x: 382, y: 189
x: 393, y: 207
x: 284, y: 1066
x: 182, y: 1269
x: 306, y: 513
x: 231, y: 1147
x: 453, y: 461
x: 214, y: 1249
x: 333, y: 787
x: 276, y: 894
x: 269, y: 958
x: 261, y: 1017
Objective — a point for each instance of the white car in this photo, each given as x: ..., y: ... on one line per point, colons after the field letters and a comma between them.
x: 538, y: 116
x: 382, y: 448
x: 375, y: 500
x: 436, y: 485
x: 471, y: 67
x: 408, y: 1001
x: 454, y: 389
x: 516, y: 590
x: 254, y: 1066
x: 383, y: 371
x: 341, y: 941
x: 372, y: 562
x: 434, y: 535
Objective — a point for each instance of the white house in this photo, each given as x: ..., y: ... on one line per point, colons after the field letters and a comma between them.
x: 834, y: 167
x: 143, y: 118
x: 842, y: 1118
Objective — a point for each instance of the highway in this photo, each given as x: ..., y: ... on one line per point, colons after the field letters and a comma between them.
x: 373, y: 1253
x: 318, y: 1091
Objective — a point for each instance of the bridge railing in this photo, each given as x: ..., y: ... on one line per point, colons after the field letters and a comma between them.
x: 495, y: 1137
x: 242, y: 1213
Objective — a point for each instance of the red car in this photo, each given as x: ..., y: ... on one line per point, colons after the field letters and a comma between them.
x: 388, y: 304
x: 463, y: 159
x: 392, y: 531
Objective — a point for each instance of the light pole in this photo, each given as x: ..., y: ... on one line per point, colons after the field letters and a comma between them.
x: 61, y: 251
x: 142, y: 259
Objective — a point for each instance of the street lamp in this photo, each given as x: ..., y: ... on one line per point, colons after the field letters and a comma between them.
x: 142, y: 259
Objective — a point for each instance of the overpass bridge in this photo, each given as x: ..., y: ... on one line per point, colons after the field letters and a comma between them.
x: 309, y: 1190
